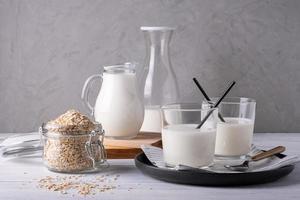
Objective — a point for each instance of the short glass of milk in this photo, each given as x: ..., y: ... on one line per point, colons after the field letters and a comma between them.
x: 234, y: 136
x: 183, y: 142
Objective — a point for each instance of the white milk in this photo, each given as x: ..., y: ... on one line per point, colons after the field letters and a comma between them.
x: 234, y: 137
x: 152, y: 120
x: 118, y: 106
x: 186, y: 145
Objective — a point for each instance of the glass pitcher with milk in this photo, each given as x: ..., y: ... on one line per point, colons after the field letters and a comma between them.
x: 119, y: 107
x: 158, y: 78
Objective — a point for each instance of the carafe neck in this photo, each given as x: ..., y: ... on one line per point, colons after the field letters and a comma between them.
x: 159, y: 79
x: 157, y: 45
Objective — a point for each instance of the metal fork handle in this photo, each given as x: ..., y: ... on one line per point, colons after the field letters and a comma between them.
x: 266, y: 154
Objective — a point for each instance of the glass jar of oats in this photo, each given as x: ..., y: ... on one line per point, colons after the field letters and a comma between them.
x: 73, y: 144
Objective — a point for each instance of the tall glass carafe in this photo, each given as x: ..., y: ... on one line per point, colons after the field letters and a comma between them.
x: 160, y: 83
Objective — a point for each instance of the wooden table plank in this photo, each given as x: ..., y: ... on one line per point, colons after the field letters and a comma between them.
x: 18, y: 180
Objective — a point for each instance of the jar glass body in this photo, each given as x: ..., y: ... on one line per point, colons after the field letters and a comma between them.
x: 71, y: 152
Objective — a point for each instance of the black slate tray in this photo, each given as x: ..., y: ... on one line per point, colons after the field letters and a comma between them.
x: 210, y: 179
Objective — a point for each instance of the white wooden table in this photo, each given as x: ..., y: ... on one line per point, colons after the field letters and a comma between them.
x: 18, y: 180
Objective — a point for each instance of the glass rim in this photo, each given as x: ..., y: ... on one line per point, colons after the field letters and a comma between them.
x: 128, y: 67
x: 58, y: 135
x: 55, y: 130
x: 157, y: 28
x: 232, y: 100
x: 198, y: 108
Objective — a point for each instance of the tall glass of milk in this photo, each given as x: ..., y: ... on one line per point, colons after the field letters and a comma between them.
x: 183, y: 142
x: 234, y: 136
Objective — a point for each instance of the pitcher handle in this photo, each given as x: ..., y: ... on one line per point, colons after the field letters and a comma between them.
x: 86, y: 90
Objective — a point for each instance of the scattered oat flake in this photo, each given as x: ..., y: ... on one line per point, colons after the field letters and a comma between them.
x: 76, y: 184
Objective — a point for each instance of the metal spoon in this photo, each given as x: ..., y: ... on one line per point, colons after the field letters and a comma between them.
x: 245, y: 165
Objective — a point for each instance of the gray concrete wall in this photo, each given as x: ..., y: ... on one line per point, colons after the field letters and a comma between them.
x: 49, y: 48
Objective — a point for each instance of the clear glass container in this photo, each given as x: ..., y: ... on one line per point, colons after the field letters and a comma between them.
x: 234, y: 136
x: 73, y: 150
x: 184, y: 142
x: 158, y: 78
x: 119, y: 106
